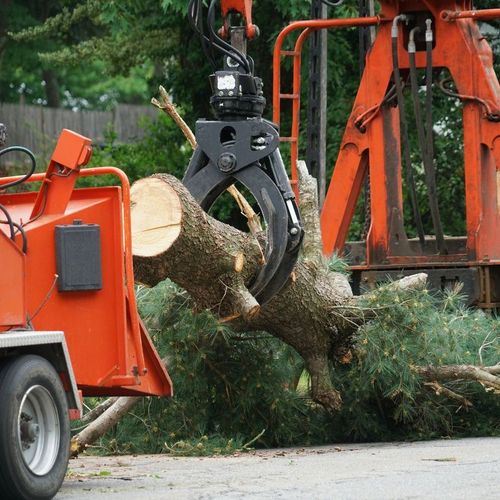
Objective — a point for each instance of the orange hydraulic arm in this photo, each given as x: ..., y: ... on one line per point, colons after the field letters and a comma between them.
x: 374, y: 146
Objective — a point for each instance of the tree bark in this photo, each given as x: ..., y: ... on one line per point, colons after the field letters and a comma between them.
x: 51, y: 88
x: 315, y: 312
x: 98, y: 410
x: 97, y: 428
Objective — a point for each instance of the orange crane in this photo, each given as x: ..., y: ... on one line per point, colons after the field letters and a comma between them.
x: 430, y: 35
x: 412, y: 35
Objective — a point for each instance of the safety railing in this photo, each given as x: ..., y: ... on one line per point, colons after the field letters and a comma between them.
x: 307, y: 27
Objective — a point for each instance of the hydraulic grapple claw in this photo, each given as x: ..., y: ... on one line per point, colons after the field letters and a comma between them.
x: 220, y: 161
x: 240, y: 146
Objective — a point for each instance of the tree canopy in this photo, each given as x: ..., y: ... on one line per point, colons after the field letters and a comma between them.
x: 91, y: 54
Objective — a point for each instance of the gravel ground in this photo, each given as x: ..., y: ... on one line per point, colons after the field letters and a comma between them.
x: 443, y: 469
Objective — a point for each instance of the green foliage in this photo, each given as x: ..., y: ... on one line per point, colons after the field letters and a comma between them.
x: 163, y: 149
x: 60, y: 22
x: 337, y: 264
x: 230, y: 387
x: 385, y: 398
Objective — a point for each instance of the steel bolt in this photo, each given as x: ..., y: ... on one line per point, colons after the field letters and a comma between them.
x: 226, y: 162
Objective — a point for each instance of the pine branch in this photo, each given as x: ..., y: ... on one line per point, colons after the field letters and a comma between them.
x: 61, y: 22
x: 462, y: 372
x: 440, y: 389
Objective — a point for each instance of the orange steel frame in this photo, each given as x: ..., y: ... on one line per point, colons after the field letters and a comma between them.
x: 375, y: 148
x: 110, y: 349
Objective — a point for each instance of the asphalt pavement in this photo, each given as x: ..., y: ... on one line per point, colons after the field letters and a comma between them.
x: 442, y: 469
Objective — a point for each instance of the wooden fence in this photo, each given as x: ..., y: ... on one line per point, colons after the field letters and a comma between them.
x: 38, y: 127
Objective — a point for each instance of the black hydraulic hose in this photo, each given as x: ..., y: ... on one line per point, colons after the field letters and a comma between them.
x: 222, y: 45
x: 9, y: 222
x: 441, y: 245
x: 427, y: 159
x: 428, y: 88
x: 195, y: 18
x: 404, y: 132
x: 23, y: 236
x: 26, y: 151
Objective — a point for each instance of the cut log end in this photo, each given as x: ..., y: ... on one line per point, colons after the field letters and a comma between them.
x: 156, y: 213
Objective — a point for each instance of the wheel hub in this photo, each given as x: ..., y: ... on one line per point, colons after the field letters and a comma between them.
x: 38, y: 430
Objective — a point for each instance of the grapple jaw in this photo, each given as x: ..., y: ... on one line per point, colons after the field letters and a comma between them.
x: 246, y: 151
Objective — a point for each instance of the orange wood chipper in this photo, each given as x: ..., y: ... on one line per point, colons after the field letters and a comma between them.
x: 69, y: 325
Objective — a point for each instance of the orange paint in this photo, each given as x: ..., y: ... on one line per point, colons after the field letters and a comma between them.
x: 110, y: 349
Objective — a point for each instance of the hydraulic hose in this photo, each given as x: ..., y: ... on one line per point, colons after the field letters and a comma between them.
x: 429, y: 131
x: 404, y: 131
x: 427, y: 156
x: 31, y: 156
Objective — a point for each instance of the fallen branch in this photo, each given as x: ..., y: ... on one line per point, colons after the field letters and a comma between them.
x: 166, y: 105
x: 102, y: 424
x: 98, y: 410
x: 479, y: 374
x: 440, y: 389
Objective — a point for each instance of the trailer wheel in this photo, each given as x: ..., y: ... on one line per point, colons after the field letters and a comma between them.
x: 34, y: 429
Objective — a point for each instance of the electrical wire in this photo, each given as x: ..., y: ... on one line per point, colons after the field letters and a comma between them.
x: 45, y: 300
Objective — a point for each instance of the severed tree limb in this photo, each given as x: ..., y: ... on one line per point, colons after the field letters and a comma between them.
x: 462, y: 372
x: 253, y: 220
x: 102, y: 424
x: 166, y: 105
x: 102, y: 418
x: 315, y: 312
x: 98, y: 410
x: 493, y: 370
x: 440, y: 389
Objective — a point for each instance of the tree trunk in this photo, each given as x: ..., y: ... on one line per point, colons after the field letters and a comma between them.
x: 51, y: 88
x: 315, y: 312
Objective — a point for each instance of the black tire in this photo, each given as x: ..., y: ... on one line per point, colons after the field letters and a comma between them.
x: 34, y: 429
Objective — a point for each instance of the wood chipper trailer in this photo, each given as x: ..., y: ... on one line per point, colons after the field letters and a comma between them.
x: 69, y: 325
